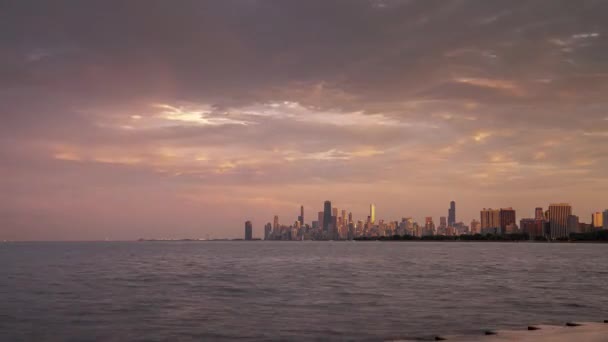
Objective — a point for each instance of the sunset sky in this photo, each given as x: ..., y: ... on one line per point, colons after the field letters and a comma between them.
x: 128, y: 119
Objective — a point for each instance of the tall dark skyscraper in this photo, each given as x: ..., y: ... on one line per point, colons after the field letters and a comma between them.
x: 301, y: 217
x: 267, y: 231
x: 326, y: 215
x: 248, y: 230
x: 452, y: 214
x: 320, y: 218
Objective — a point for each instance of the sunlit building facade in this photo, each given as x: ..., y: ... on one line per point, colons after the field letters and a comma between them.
x: 597, y: 220
x: 490, y: 220
x: 372, y: 213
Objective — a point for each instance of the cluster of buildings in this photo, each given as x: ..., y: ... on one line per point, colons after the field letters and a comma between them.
x: 335, y: 224
x: 558, y: 222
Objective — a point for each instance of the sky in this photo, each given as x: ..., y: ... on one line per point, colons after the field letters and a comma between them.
x: 184, y: 119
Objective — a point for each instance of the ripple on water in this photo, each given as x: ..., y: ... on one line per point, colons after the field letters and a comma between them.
x: 296, y: 291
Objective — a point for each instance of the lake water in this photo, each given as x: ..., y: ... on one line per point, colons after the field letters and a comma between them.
x: 363, y: 291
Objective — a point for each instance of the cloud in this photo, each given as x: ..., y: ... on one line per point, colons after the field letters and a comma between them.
x: 113, y: 122
x: 196, y: 116
x: 493, y: 84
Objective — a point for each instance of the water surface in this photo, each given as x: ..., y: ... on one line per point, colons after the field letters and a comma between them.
x: 363, y: 291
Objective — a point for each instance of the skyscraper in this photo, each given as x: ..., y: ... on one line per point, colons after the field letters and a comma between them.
x: 267, y: 231
x: 443, y: 226
x: 532, y: 227
x: 605, y: 219
x: 539, y: 214
x: 248, y: 230
x: 301, y: 217
x: 490, y: 220
x: 429, y: 226
x: 507, y: 218
x: 558, y: 219
x: 597, y: 220
x: 452, y: 214
x: 475, y: 227
x: 320, y: 215
x: 573, y: 224
x: 372, y: 213
x: 275, y: 225
x: 326, y: 215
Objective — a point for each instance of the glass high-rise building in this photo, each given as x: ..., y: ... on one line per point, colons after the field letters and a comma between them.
x: 452, y: 214
x: 326, y: 215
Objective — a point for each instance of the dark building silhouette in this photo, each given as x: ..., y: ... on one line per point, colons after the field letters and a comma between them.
x: 532, y: 226
x: 320, y: 218
x: 452, y: 214
x: 574, y: 224
x: 301, y: 217
x: 327, y: 220
x: 267, y: 231
x: 558, y: 219
x: 248, y: 230
x: 507, y: 218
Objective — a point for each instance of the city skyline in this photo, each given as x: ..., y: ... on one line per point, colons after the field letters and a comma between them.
x: 558, y: 221
x: 127, y: 119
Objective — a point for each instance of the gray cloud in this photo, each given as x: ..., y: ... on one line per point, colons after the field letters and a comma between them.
x: 269, y: 104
